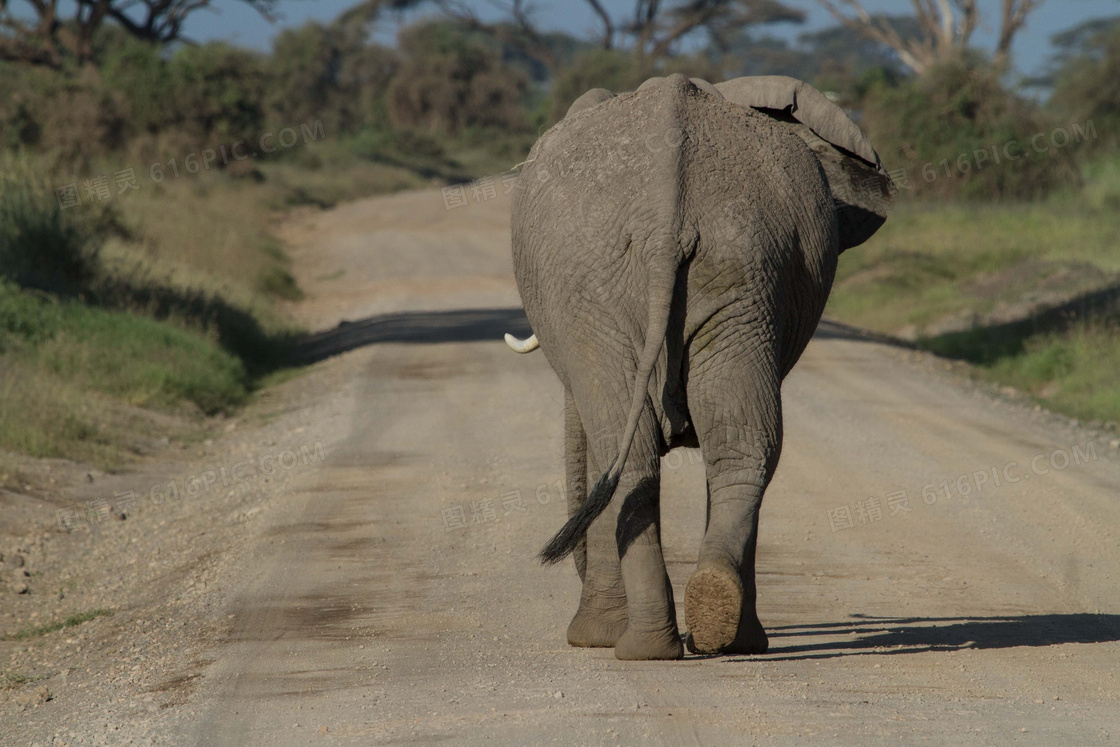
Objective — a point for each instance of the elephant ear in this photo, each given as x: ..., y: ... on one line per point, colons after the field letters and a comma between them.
x: 861, y: 189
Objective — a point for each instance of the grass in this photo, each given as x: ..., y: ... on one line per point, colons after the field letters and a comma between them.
x: 86, y: 383
x: 41, y: 246
x: 165, y: 304
x: 67, y: 622
x: 934, y: 260
x: 945, y: 266
x: 1072, y: 370
x: 139, y: 360
x: 207, y: 233
x: 14, y: 679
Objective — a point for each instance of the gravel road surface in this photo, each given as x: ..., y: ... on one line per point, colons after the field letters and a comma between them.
x: 938, y: 563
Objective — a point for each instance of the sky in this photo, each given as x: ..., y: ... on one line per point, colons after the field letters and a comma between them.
x: 236, y: 22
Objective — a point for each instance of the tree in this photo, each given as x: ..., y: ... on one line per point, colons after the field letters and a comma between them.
x: 838, y: 53
x: 1086, y: 77
x: 330, y: 72
x: 957, y: 131
x: 451, y: 80
x: 946, y: 27
x: 654, y: 30
x: 46, y: 34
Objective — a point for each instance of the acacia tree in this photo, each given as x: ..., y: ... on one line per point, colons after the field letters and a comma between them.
x: 652, y: 31
x: 946, y: 27
x: 41, y: 32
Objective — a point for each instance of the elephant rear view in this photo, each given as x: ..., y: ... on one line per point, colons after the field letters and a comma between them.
x: 674, y: 248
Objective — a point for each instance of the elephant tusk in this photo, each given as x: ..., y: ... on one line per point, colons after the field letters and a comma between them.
x: 522, y: 346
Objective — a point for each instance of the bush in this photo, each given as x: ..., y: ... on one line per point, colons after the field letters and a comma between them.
x: 68, y: 114
x: 620, y: 71
x: 25, y: 317
x: 328, y: 73
x: 1087, y: 82
x: 451, y: 81
x: 959, y: 133
x: 40, y: 245
x: 136, y: 70
x: 598, y: 68
x: 219, y: 92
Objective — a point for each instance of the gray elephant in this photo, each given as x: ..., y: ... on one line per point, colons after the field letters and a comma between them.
x: 674, y: 248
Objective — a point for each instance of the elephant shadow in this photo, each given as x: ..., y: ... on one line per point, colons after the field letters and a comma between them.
x: 908, y: 635
x: 414, y: 327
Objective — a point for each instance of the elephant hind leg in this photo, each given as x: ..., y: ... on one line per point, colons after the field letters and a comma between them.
x: 624, y: 561
x: 738, y: 417
x: 601, y: 618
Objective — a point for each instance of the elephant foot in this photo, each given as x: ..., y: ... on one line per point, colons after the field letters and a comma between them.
x: 596, y: 628
x: 714, y: 614
x: 633, y: 646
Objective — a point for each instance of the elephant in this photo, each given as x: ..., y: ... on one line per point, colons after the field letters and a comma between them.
x: 674, y: 248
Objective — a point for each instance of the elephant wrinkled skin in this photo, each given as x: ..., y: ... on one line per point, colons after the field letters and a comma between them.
x: 674, y: 248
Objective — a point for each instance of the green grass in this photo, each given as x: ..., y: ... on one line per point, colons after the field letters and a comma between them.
x: 136, y: 359
x: 79, y: 382
x: 937, y: 263
x: 1073, y: 371
x: 934, y: 260
x: 174, y: 289
x: 11, y: 680
x: 67, y: 622
x: 160, y: 304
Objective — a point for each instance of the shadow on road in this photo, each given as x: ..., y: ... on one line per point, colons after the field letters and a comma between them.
x: 829, y: 329
x: 471, y: 325
x: 987, y: 345
x: 423, y: 327
x: 909, y: 635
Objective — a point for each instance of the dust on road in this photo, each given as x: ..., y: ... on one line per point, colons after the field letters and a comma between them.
x: 936, y: 564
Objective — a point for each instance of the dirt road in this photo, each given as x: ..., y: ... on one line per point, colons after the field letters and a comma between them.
x: 936, y: 565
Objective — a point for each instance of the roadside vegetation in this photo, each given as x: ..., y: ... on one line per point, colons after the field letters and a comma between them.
x: 1028, y: 293
x: 37, y: 631
x: 143, y: 291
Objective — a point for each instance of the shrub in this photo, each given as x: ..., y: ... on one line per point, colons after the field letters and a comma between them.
x: 620, y: 71
x: 328, y: 73
x: 25, y: 317
x: 597, y: 68
x: 41, y: 246
x: 1087, y: 82
x: 451, y: 81
x: 958, y: 132
x: 136, y: 70
x: 66, y: 113
x: 219, y: 92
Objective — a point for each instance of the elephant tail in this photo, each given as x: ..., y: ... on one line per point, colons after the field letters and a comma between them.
x: 661, y: 287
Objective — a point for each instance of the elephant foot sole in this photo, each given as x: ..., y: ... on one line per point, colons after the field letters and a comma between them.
x: 634, y: 646
x: 713, y: 601
x: 596, y: 629
x: 713, y: 612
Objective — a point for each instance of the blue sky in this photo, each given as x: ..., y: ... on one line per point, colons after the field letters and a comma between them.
x: 236, y: 22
